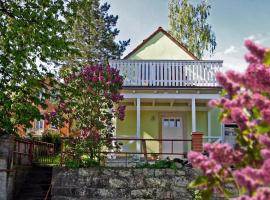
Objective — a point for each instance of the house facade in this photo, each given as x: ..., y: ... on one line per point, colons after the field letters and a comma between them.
x: 166, y: 92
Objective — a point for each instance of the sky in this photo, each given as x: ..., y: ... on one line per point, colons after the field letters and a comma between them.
x: 233, y: 21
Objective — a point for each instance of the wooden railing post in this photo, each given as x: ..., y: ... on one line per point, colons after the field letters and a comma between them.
x: 197, y: 141
x: 144, y: 149
x: 62, y: 151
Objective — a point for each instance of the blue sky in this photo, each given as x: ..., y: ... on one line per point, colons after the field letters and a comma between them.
x: 233, y: 21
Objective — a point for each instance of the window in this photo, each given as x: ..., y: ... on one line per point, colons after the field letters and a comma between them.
x: 171, y: 123
x: 39, y: 124
x: 177, y: 123
x: 166, y: 123
x: 53, y: 126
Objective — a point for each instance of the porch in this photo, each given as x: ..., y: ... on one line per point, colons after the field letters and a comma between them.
x: 161, y: 123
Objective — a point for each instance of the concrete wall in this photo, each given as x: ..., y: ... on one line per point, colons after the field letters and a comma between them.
x: 120, y: 183
x: 6, y: 178
x: 11, y: 180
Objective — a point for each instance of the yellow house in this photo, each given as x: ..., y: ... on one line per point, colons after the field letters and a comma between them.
x: 166, y: 93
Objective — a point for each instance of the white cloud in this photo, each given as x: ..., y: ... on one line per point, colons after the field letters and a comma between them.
x: 231, y: 61
x: 259, y: 38
x: 230, y: 50
x: 251, y: 37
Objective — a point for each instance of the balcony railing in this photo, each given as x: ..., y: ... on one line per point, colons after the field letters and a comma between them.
x: 172, y: 73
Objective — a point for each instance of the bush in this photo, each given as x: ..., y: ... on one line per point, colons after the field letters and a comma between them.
x: 51, y: 136
x: 159, y: 164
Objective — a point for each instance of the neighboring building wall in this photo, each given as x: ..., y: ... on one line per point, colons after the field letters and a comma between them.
x: 160, y: 47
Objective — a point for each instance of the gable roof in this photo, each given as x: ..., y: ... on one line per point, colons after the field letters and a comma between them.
x: 160, y: 29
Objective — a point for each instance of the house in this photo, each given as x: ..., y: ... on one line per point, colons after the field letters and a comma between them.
x: 166, y: 93
x: 42, y: 126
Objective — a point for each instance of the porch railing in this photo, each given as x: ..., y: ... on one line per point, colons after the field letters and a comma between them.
x: 126, y: 154
x: 164, y: 73
x: 27, y: 152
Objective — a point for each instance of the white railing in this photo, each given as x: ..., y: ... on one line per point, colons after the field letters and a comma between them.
x: 162, y: 73
x: 212, y: 139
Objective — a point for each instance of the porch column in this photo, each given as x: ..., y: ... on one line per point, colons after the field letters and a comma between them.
x: 193, y: 113
x: 138, y: 133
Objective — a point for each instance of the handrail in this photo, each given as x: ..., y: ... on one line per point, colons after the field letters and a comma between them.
x: 48, y: 192
x: 28, y: 151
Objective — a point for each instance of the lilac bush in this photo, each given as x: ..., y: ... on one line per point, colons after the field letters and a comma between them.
x: 89, y: 99
x: 245, y: 101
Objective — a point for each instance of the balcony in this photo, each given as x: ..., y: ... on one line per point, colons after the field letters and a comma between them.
x: 168, y: 73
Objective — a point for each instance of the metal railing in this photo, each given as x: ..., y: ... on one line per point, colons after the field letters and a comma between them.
x: 162, y: 73
x: 27, y: 152
x: 212, y: 139
x: 125, y: 155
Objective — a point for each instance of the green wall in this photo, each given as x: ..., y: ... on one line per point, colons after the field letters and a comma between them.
x: 160, y: 47
x: 150, y: 126
x: 215, y: 124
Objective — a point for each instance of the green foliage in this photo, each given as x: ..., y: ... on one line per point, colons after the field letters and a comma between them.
x: 197, y: 194
x: 32, y: 38
x: 188, y: 24
x: 75, y: 164
x: 159, y: 164
x: 94, y: 33
x: 54, y: 137
x: 267, y: 58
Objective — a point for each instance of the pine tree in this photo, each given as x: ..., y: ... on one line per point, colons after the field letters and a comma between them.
x: 94, y: 34
x: 188, y: 24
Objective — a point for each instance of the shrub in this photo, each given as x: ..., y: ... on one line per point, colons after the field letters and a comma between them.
x: 245, y: 101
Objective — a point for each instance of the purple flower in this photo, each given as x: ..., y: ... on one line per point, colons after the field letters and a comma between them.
x: 265, y: 140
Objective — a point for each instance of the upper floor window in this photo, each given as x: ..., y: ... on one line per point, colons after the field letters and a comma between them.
x: 39, y: 124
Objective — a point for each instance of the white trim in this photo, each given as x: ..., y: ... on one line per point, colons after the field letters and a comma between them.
x: 138, y: 132
x: 209, y: 125
x: 193, y: 114
x: 168, y: 108
x: 169, y: 96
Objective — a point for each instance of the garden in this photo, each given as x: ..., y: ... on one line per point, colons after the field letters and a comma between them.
x: 85, y: 93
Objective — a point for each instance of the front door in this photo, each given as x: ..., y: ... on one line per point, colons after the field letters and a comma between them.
x: 172, y: 128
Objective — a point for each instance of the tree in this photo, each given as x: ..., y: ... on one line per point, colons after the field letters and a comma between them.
x: 246, y: 102
x: 32, y: 37
x: 88, y: 102
x: 94, y: 34
x: 188, y: 24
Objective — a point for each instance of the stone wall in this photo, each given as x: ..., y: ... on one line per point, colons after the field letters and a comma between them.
x: 120, y: 183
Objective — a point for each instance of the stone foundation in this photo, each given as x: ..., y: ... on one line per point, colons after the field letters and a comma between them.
x: 120, y: 183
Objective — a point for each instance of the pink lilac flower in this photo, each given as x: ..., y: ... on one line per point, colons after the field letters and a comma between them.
x: 248, y: 178
x: 121, y: 112
x: 230, y: 86
x: 265, y: 153
x: 223, y: 153
x: 255, y: 49
x: 262, y: 193
x: 265, y: 140
x: 207, y: 165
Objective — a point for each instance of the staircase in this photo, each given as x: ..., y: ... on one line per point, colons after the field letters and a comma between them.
x: 36, y: 185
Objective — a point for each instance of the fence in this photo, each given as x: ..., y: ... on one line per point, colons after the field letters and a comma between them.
x: 27, y: 152
x: 130, y: 154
